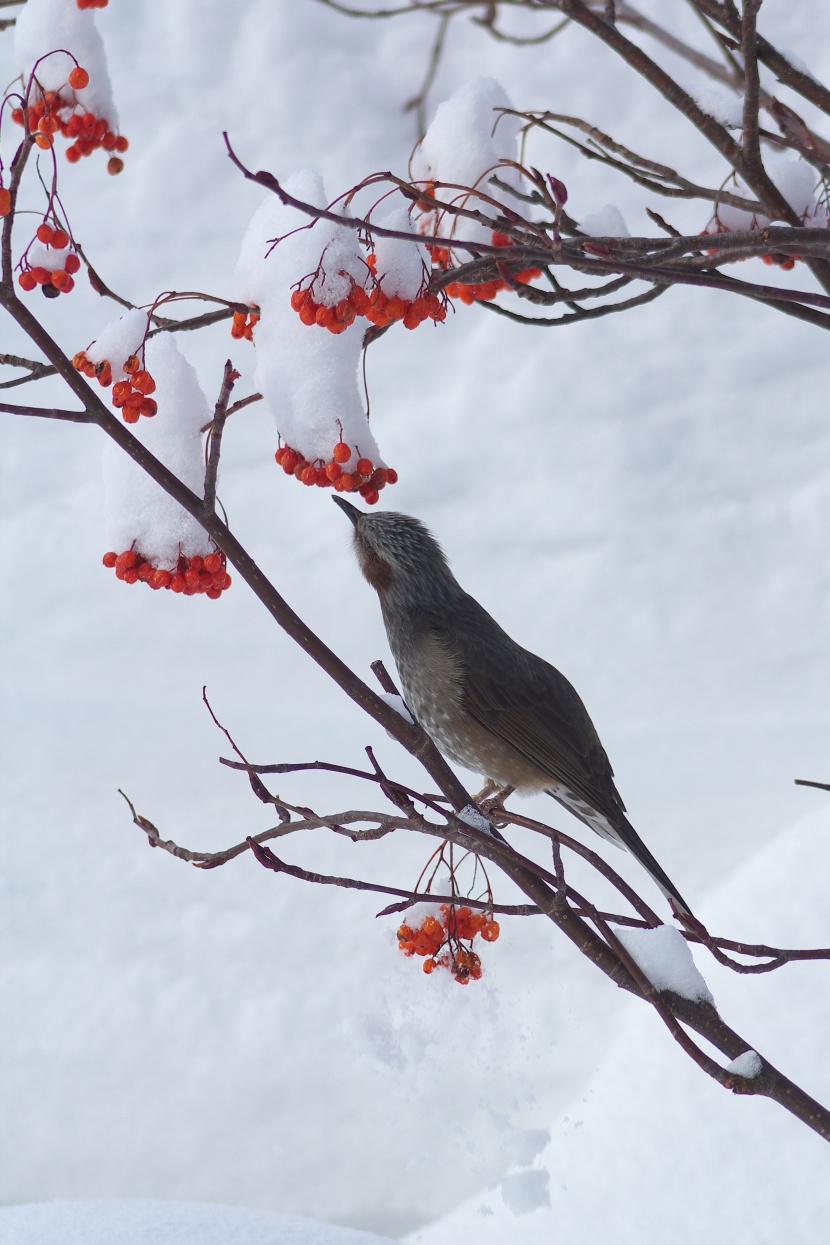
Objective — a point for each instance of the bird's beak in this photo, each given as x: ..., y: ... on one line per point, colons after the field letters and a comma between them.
x: 346, y: 506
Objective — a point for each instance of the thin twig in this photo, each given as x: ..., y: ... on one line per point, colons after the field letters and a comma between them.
x: 214, y: 445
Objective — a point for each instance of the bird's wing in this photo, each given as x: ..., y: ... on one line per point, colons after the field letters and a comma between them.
x: 531, y: 706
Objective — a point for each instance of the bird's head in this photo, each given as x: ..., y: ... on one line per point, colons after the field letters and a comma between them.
x: 396, y: 552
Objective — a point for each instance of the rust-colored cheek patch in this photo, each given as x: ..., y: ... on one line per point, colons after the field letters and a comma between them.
x: 375, y: 568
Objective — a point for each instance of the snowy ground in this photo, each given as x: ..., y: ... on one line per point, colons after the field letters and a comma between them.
x: 230, y: 1037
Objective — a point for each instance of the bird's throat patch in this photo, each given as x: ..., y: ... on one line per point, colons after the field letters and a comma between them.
x: 375, y: 568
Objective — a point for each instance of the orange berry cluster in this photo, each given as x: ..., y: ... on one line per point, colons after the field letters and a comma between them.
x: 484, y: 291
x: 191, y: 576
x: 366, y: 479
x: 439, y: 941
x: 243, y: 325
x: 61, y: 281
x: 376, y: 306
x: 52, y: 113
x: 130, y: 396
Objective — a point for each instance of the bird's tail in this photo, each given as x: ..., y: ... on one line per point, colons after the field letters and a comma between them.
x: 624, y: 835
x: 631, y: 840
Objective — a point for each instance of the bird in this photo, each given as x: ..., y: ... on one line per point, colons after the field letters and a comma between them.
x: 485, y: 701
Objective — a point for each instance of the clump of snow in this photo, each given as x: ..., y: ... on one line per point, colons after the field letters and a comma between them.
x: 797, y: 181
x: 728, y: 109
x: 396, y: 702
x: 467, y: 137
x: 47, y: 257
x: 748, y: 1064
x: 138, y: 513
x: 59, y: 27
x: 799, y: 64
x: 666, y: 959
x: 465, y: 144
x: 475, y: 818
x: 120, y: 339
x: 402, y: 267
x: 308, y: 376
x: 607, y: 223
x: 526, y: 1191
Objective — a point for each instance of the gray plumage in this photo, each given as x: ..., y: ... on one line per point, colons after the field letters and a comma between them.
x: 487, y: 702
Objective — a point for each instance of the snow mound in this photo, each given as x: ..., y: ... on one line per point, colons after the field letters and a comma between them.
x: 164, y: 1223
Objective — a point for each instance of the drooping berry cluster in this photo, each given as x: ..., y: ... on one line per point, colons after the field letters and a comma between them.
x: 132, y: 395
x: 441, y: 939
x: 483, y: 291
x: 54, y: 112
x: 374, y: 304
x: 366, y: 478
x: 191, y: 576
x: 52, y: 270
x: 244, y: 323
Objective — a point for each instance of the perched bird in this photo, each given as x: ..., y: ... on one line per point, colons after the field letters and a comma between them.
x: 487, y: 702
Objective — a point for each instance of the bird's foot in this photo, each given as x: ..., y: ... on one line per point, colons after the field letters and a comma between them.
x: 490, y: 800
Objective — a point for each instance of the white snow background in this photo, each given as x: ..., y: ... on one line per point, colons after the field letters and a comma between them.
x: 642, y: 499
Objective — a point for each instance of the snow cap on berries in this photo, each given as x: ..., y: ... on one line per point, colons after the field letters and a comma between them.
x: 45, y: 257
x: 402, y: 267
x: 465, y: 143
x: 121, y: 339
x: 138, y: 512
x: 309, y: 377
x: 41, y: 27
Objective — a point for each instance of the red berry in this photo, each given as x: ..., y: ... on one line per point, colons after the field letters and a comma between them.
x: 143, y: 380
x: 309, y: 475
x: 26, y: 281
x: 213, y: 562
x: 342, y: 452
x: 110, y: 559
x: 60, y: 239
x: 391, y: 475
x: 61, y: 280
x: 333, y: 470
x: 72, y: 263
x: 115, y: 165
x: 121, y: 144
x: 45, y: 233
x: 148, y: 408
x: 396, y: 308
x: 79, y: 78
x: 365, y: 466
